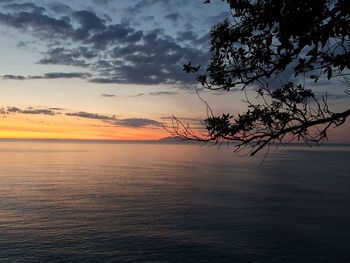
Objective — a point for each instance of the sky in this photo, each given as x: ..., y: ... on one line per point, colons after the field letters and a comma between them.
x: 110, y: 69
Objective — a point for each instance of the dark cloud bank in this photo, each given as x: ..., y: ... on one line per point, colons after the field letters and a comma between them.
x: 115, y: 53
x: 110, y: 120
x: 51, y: 75
x: 114, y: 121
x: 31, y: 111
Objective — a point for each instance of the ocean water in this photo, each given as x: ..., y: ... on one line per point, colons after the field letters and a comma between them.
x: 139, y: 202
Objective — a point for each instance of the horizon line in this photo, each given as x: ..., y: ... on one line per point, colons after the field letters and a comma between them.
x: 164, y: 140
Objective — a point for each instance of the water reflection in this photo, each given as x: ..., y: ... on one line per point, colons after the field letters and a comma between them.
x: 148, y: 202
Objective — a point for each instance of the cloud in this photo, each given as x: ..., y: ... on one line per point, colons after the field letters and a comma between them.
x: 62, y: 75
x: 39, y: 24
x: 128, y: 96
x: 107, y: 119
x: 57, y: 109
x: 148, y: 18
x: 158, y: 59
x: 113, y: 120
x: 103, y: 2
x: 108, y: 95
x: 14, y: 77
x: 30, y: 7
x: 88, y: 22
x: 60, y: 8
x: 191, y: 36
x: 51, y: 75
x: 186, y: 35
x: 104, y: 80
x: 3, y: 112
x: 211, y: 20
x: 114, y: 34
x: 160, y: 93
x: 173, y: 17
x: 13, y: 110
x: 87, y: 115
x: 137, y: 95
x: 137, y: 122
x: 63, y: 56
x: 31, y: 111
x: 116, y: 52
x: 39, y: 111
x: 142, y: 4
x: 191, y: 87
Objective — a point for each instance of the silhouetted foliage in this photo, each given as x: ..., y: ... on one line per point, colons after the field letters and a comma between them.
x: 262, y: 42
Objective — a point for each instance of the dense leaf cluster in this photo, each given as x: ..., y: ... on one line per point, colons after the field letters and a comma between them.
x: 265, y: 40
x: 266, y: 37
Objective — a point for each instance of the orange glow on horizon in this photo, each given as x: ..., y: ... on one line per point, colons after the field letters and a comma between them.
x: 61, y: 127
x: 20, y: 126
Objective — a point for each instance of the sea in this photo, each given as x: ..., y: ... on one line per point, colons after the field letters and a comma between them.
x: 71, y: 201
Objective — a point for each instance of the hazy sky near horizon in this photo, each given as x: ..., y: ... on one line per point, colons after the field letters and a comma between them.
x: 108, y: 69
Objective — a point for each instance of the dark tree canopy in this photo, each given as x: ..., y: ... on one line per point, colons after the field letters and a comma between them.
x: 288, y: 42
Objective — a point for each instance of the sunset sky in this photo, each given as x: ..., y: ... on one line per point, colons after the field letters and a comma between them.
x: 110, y: 69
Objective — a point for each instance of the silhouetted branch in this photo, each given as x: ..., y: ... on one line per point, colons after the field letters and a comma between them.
x: 263, y: 40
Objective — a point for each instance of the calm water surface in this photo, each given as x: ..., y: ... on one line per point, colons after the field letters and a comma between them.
x: 103, y: 202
